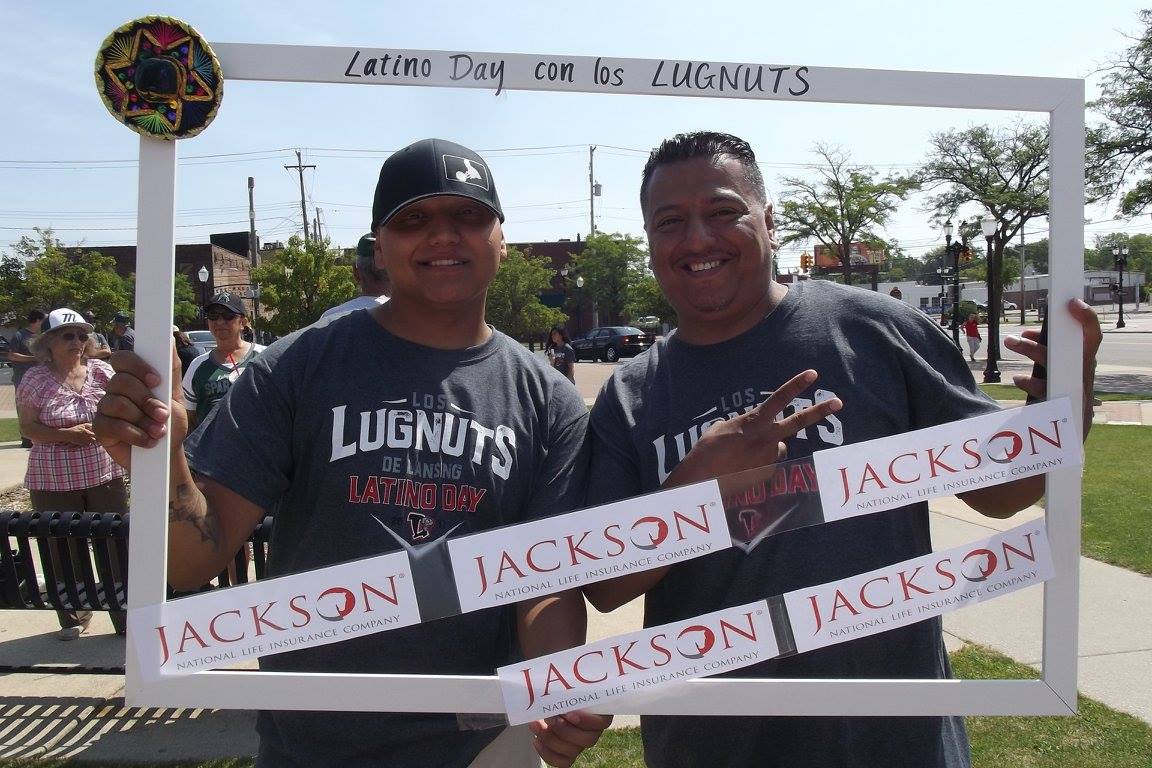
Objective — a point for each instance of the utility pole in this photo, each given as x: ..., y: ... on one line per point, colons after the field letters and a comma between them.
x: 299, y: 168
x: 591, y: 193
x: 1021, y: 275
x: 316, y: 226
x: 253, y: 255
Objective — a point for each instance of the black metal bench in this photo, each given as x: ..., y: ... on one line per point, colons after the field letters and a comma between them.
x: 81, y: 564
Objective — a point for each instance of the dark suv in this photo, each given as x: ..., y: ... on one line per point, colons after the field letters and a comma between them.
x: 611, y: 343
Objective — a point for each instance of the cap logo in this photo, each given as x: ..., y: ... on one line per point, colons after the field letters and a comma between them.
x: 222, y: 298
x: 466, y: 171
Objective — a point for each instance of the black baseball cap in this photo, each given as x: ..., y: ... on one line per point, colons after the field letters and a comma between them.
x: 428, y: 168
x: 228, y: 301
x: 366, y: 248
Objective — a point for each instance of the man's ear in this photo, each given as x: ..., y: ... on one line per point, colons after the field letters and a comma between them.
x: 770, y: 223
x: 377, y: 249
x: 503, y: 249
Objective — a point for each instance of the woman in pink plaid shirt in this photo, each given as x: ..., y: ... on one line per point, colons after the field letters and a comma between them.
x: 68, y: 471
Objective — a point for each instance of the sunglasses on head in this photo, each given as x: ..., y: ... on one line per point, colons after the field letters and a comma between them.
x: 225, y: 316
x: 70, y: 336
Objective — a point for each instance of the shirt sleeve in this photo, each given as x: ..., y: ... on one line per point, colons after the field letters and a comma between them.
x: 186, y: 385
x: 559, y: 485
x: 614, y: 467
x: 30, y: 393
x: 245, y: 443
x: 940, y: 386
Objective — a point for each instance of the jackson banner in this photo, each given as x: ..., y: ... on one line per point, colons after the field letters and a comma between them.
x: 948, y: 459
x: 223, y: 627
x: 917, y: 589
x: 657, y: 658
x: 599, y: 673
x: 506, y: 565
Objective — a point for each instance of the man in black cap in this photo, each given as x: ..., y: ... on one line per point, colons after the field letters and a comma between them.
x: 330, y: 420
x: 123, y: 337
x: 372, y: 280
x: 211, y: 375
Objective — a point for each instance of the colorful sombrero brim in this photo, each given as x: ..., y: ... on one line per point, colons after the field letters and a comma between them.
x: 159, y: 77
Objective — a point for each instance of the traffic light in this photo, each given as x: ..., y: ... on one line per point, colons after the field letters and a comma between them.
x: 805, y: 261
x: 966, y: 255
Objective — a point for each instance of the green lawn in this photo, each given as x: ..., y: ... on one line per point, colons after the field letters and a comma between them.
x: 1097, y: 737
x: 1009, y: 392
x: 9, y: 430
x: 1115, y: 497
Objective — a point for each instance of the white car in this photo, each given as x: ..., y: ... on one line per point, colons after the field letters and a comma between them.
x: 203, y: 339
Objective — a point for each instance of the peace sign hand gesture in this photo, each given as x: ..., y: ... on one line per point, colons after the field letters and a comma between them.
x: 753, y: 439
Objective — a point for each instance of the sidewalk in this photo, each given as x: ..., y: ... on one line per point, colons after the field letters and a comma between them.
x: 68, y: 716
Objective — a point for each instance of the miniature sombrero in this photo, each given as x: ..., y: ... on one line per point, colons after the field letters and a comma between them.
x: 158, y: 77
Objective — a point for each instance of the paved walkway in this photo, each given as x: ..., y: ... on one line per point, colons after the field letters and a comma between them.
x: 62, y: 716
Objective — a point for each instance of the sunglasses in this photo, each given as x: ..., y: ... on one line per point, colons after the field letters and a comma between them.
x: 226, y: 317
x: 69, y: 336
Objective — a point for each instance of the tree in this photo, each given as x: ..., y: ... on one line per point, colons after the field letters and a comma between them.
x: 611, y: 266
x: 1035, y: 255
x: 513, y: 305
x: 316, y: 281
x: 1006, y: 173
x: 185, y: 303
x: 1139, y: 253
x: 647, y: 300
x: 45, y: 274
x: 900, y: 266
x: 1122, y: 148
x: 844, y: 204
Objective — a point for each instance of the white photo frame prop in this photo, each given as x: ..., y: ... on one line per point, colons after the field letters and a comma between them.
x: 1063, y: 99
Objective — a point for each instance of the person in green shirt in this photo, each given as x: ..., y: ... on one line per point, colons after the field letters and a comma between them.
x: 210, y: 376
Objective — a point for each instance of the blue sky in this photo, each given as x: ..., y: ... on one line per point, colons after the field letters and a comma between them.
x: 536, y: 143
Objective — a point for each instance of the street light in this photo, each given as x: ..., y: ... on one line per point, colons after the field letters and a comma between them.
x: 995, y: 303
x: 203, y: 276
x: 952, y: 253
x: 1120, y: 256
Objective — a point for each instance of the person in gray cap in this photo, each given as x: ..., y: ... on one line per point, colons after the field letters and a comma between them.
x: 123, y: 337
x: 328, y: 419
x: 372, y: 280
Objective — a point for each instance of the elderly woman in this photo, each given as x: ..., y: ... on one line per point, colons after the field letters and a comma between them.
x: 68, y: 471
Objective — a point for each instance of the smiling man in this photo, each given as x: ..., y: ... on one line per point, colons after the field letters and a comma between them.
x: 755, y: 373
x: 329, y: 423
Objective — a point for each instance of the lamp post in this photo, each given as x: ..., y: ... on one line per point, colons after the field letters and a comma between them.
x: 203, y: 277
x: 952, y: 252
x: 1120, y: 256
x: 995, y: 303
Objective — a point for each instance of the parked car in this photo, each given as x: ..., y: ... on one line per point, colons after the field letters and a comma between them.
x: 203, y: 339
x: 4, y: 347
x: 611, y: 343
x: 983, y: 307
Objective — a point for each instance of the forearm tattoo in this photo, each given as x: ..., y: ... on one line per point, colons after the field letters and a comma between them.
x: 188, y: 506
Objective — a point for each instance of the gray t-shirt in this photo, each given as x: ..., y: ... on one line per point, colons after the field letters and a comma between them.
x: 895, y: 371
x: 364, y: 443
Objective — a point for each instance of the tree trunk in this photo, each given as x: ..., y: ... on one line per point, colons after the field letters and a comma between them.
x: 995, y: 285
x: 846, y: 261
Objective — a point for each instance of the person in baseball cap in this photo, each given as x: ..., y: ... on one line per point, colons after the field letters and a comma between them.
x: 123, y: 337
x: 430, y: 168
x: 228, y: 302
x: 65, y: 318
x: 332, y: 423
x: 209, y: 376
